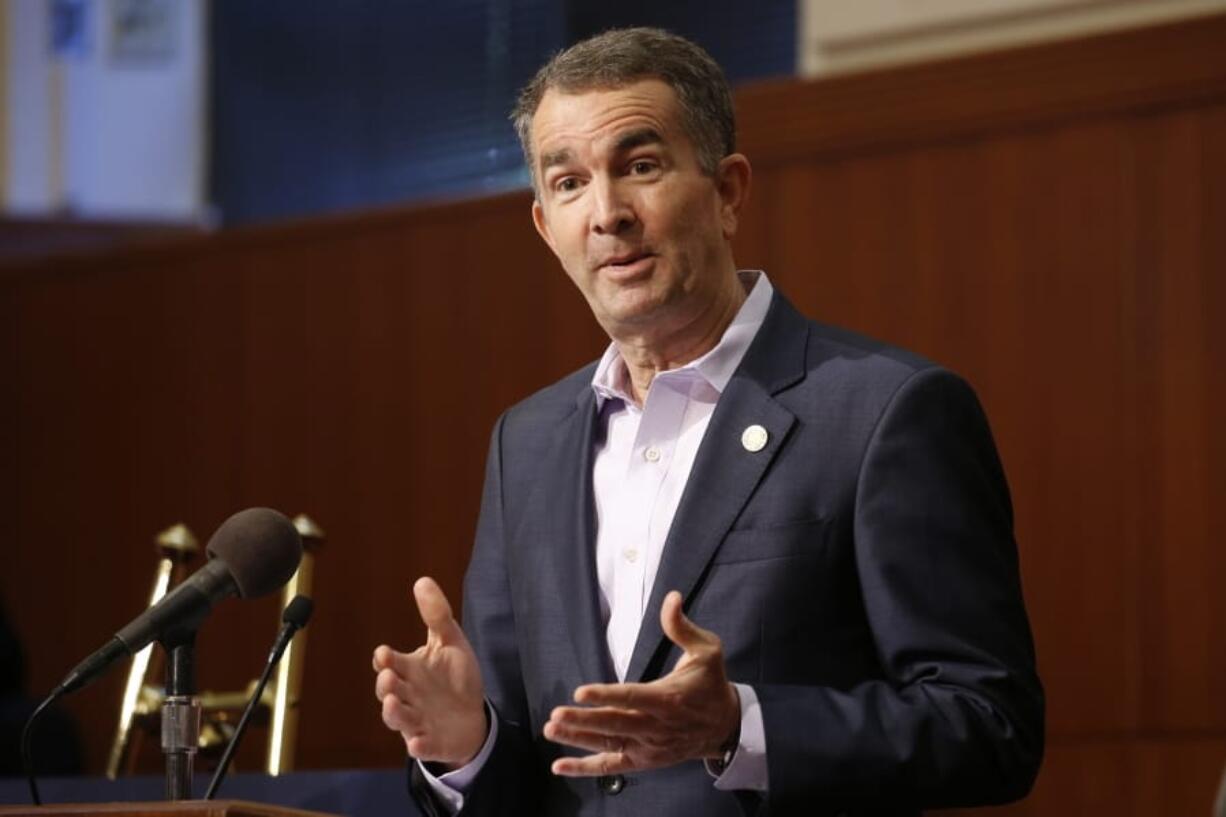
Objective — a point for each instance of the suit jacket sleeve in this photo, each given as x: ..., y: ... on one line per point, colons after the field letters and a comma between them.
x: 957, y: 717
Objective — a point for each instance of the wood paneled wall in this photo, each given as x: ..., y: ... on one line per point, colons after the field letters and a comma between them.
x: 1051, y: 222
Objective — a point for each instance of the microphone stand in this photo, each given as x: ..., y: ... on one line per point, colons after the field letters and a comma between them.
x: 180, y: 714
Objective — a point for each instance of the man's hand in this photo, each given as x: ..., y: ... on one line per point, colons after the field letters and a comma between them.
x: 690, y: 713
x: 433, y: 696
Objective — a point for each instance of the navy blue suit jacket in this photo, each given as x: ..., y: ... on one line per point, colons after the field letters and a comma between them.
x: 860, y: 570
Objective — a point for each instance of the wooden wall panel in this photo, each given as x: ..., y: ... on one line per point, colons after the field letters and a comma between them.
x: 1184, y: 571
x: 1213, y: 294
x: 891, y: 245
x: 1049, y: 222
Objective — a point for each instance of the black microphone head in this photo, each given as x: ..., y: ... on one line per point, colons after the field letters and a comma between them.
x: 298, y: 612
x: 261, y: 549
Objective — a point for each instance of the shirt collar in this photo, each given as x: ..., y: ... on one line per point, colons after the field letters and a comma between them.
x: 612, y: 378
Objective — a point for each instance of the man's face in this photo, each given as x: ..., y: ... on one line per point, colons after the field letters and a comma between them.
x: 624, y: 205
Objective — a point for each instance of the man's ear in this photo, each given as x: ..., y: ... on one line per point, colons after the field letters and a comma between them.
x: 542, y: 227
x: 732, y: 179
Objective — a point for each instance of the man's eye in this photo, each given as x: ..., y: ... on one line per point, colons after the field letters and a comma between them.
x: 642, y: 168
x: 566, y: 184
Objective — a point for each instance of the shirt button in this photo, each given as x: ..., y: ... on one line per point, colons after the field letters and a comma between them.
x: 652, y: 454
x: 611, y: 783
x: 631, y: 554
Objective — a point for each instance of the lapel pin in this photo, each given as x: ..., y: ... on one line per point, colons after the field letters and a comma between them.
x: 754, y: 438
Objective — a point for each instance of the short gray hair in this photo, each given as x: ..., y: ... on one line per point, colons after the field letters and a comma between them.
x: 623, y: 56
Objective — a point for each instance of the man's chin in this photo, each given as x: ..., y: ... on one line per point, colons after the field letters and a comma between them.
x: 630, y: 312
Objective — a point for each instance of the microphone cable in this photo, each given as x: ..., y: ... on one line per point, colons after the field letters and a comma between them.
x: 27, y: 736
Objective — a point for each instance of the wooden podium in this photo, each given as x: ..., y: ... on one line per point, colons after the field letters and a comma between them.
x: 182, y: 808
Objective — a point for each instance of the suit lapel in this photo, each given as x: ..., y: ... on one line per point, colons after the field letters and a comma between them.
x: 725, y: 472
x: 572, y: 505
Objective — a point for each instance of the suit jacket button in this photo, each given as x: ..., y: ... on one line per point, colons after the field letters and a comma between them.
x: 611, y: 783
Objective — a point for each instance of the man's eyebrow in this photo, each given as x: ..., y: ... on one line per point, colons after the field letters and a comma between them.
x: 627, y: 141
x: 638, y: 138
x: 556, y: 157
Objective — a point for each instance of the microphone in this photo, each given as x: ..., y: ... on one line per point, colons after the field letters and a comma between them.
x: 295, y: 617
x: 254, y: 552
x: 297, y: 614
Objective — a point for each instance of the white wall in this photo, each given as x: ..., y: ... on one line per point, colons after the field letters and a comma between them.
x: 847, y: 35
x: 97, y: 134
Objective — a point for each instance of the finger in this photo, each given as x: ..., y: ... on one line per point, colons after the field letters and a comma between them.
x: 582, y: 739
x: 597, y: 765
x: 400, y: 717
x: 608, y: 721
x: 420, y: 746
x: 653, y: 698
x: 680, y: 630
x: 436, y: 611
x: 387, y: 658
x: 387, y: 682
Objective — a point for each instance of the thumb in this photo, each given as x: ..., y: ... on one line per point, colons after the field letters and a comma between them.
x: 436, y: 612
x: 680, y: 630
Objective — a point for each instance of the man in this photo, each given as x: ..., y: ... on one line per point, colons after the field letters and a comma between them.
x: 745, y: 563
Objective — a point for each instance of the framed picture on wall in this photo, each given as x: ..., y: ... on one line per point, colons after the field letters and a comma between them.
x: 69, y: 28
x: 143, y: 31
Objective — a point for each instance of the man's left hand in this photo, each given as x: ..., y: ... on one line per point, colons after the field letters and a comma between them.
x: 691, y: 713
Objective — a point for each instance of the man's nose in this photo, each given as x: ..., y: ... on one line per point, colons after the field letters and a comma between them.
x: 612, y: 210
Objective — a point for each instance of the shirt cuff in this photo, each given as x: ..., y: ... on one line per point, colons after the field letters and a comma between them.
x: 747, y: 769
x: 454, y: 785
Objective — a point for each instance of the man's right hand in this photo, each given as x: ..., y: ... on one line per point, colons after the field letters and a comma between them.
x: 433, y: 696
